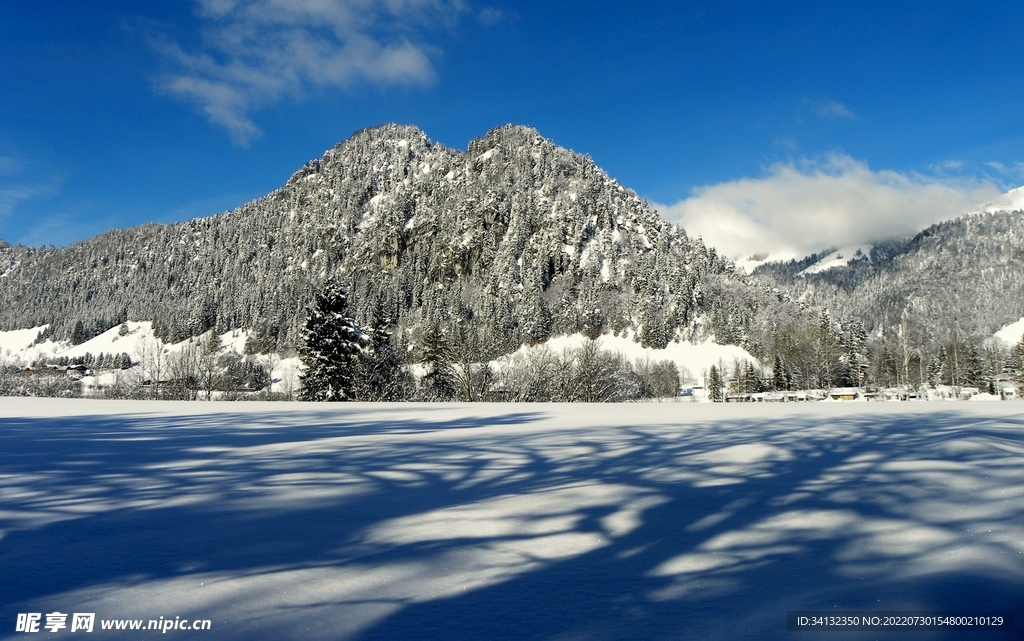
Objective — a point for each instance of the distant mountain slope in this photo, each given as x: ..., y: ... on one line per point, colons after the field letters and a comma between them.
x: 528, y: 238
x: 955, y: 281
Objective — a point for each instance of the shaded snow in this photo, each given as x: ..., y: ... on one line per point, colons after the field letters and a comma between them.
x: 463, y: 521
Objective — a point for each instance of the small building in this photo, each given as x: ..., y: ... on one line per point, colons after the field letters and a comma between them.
x: 811, y: 395
x: 846, y: 394
x: 76, y: 371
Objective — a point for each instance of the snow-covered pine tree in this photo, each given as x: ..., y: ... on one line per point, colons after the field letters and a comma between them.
x: 380, y: 370
x: 778, y: 374
x: 439, y: 381
x: 974, y: 371
x: 78, y: 335
x: 936, y: 368
x: 1017, y: 356
x: 331, y: 348
x: 714, y: 384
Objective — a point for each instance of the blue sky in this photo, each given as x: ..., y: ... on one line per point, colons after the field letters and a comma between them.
x: 117, y: 113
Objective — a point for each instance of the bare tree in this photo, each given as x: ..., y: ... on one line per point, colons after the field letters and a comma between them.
x: 470, y: 351
x: 152, y: 357
x: 183, y: 370
x: 665, y: 379
x: 207, y: 362
x: 595, y: 373
x: 270, y: 362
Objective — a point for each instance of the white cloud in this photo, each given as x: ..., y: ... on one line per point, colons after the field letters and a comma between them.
x: 833, y: 109
x: 490, y: 15
x: 14, y: 191
x: 798, y: 209
x: 255, y: 52
x: 1014, y: 171
x: 11, y: 195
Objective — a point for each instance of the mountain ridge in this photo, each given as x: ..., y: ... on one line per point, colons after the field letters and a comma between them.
x: 955, y: 280
x: 525, y: 237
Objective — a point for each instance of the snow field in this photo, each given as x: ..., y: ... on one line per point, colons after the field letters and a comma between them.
x: 468, y: 521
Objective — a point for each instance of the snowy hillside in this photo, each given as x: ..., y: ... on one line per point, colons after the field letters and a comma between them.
x: 960, y: 280
x: 692, y: 359
x: 1012, y: 200
x: 16, y: 346
x: 490, y: 521
x: 19, y: 349
x: 524, y: 237
x: 1011, y: 334
x: 838, y: 258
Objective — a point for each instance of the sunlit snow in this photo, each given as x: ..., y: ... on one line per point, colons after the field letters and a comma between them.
x: 839, y: 258
x: 1011, y: 334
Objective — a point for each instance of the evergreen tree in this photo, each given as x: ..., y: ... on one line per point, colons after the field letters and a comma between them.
x: 1018, y: 357
x: 779, y: 375
x: 714, y: 384
x: 652, y: 329
x: 754, y: 384
x: 974, y: 371
x: 78, y: 334
x: 439, y: 381
x: 331, y: 347
x: 380, y: 376
x: 826, y: 350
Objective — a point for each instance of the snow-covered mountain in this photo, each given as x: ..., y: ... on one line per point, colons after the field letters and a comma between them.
x: 838, y: 258
x: 1012, y: 200
x: 957, y: 281
x: 526, y: 238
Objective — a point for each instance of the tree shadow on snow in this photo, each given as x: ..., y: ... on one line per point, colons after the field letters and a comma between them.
x: 427, y: 522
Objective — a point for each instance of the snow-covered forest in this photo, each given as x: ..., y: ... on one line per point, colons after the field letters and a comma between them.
x: 531, y: 239
x: 452, y: 262
x: 927, y: 306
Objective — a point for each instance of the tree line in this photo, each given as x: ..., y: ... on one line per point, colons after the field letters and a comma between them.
x: 461, y: 362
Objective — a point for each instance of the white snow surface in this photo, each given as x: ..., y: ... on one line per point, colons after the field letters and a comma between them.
x: 696, y: 358
x: 1012, y: 200
x: 15, y: 344
x: 749, y: 264
x: 470, y: 521
x: 1012, y: 333
x: 17, y: 341
x: 838, y: 258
